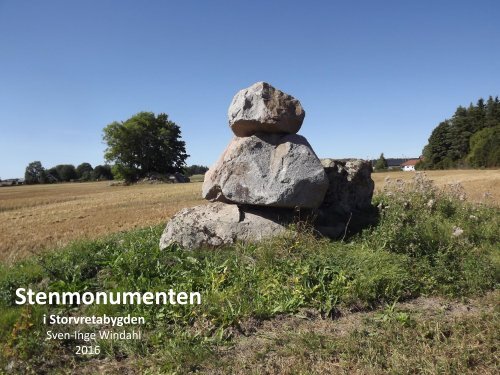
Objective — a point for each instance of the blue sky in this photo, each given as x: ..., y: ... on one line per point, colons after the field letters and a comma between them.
x: 373, y: 76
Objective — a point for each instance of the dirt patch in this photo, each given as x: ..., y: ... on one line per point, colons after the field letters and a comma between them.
x: 270, y: 347
x: 433, y: 306
x: 110, y: 366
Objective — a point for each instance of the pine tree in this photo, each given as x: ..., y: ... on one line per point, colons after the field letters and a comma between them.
x: 451, y: 142
x: 381, y: 163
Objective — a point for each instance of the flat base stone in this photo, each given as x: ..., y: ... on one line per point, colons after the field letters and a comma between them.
x: 217, y: 224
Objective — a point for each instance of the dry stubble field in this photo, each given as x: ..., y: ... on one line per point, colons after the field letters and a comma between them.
x: 34, y: 218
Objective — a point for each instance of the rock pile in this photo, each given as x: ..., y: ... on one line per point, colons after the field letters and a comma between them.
x: 266, y: 175
x: 158, y: 178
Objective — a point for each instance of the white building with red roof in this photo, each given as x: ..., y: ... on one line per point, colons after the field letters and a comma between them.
x: 409, y: 165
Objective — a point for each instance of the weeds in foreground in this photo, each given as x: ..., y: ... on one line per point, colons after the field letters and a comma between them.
x: 427, y: 243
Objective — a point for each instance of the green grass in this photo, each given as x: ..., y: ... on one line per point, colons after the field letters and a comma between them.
x: 410, y: 253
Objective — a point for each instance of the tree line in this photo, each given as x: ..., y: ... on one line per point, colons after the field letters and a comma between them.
x: 144, y: 144
x: 195, y: 169
x: 471, y: 138
x: 35, y: 173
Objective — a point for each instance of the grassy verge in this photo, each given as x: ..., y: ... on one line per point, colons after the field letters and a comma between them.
x: 427, y: 244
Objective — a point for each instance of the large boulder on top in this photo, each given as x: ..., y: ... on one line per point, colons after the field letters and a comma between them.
x: 267, y: 170
x: 261, y: 108
x: 218, y: 224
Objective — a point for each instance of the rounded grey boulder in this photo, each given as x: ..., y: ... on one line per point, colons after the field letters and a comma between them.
x: 261, y: 108
x: 267, y: 170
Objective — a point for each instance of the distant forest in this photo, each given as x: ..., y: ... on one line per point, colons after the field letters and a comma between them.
x: 471, y: 138
x: 36, y: 174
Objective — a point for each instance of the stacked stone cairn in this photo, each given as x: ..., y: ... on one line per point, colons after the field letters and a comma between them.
x: 269, y: 176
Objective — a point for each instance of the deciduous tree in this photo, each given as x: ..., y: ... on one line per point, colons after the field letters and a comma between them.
x: 66, y: 172
x: 102, y: 172
x: 35, y: 173
x: 84, y: 172
x: 144, y: 144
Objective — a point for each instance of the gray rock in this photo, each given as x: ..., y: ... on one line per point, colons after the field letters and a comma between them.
x: 218, y: 224
x: 158, y: 178
x: 267, y: 170
x: 261, y: 108
x: 350, y: 184
x: 349, y: 195
x: 179, y: 178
